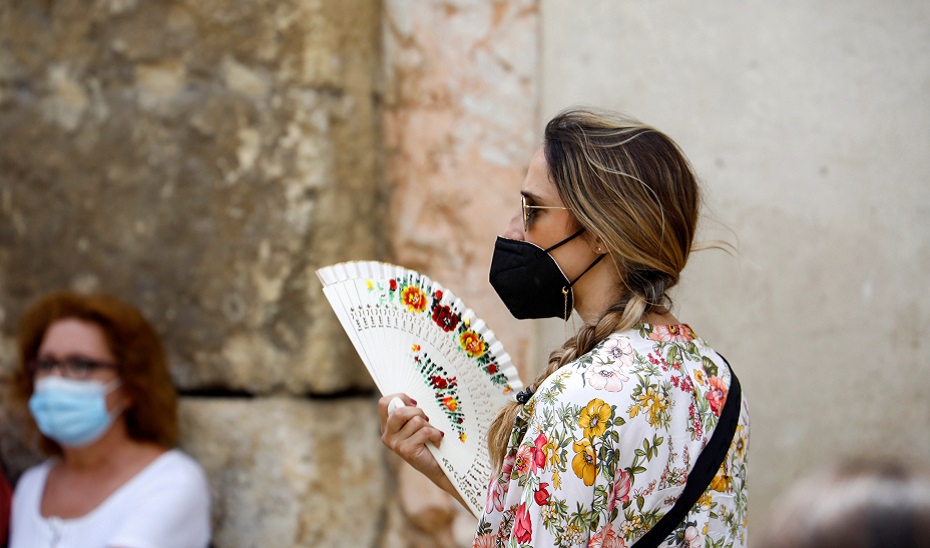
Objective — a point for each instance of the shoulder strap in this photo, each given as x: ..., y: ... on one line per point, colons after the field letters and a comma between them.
x: 705, y: 468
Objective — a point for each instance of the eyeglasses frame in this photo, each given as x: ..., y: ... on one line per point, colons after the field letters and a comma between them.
x: 68, y: 366
x: 526, y: 215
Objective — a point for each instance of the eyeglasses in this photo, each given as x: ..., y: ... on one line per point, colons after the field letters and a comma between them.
x: 527, y: 213
x: 72, y: 367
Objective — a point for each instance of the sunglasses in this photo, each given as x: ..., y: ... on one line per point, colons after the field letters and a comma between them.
x: 528, y: 213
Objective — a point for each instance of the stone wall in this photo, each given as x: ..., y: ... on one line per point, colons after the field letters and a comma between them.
x: 460, y: 107
x: 201, y: 159
x: 807, y: 123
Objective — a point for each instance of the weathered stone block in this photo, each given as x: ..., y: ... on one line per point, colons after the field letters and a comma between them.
x: 289, y: 472
x: 200, y: 158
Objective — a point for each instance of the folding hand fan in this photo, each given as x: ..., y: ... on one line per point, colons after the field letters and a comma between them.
x: 416, y: 337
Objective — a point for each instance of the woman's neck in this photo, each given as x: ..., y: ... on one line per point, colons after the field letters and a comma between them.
x: 593, y: 294
x: 660, y: 317
x: 113, y: 447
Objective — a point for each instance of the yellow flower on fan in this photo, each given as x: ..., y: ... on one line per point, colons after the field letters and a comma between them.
x: 595, y: 418
x: 585, y: 462
x: 413, y: 298
x: 472, y: 344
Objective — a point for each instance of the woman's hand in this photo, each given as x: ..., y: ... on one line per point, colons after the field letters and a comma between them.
x: 407, y: 431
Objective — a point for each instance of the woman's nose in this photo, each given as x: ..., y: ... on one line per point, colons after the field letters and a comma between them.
x: 514, y: 229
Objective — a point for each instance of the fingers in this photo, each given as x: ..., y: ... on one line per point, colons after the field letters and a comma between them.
x: 405, y: 420
x: 406, y: 431
x: 427, y: 434
x: 408, y: 425
x: 385, y: 402
x: 407, y: 437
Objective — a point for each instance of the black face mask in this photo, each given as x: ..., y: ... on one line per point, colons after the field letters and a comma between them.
x: 530, y: 282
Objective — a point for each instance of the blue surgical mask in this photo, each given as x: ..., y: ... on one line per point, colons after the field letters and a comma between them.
x: 72, y: 412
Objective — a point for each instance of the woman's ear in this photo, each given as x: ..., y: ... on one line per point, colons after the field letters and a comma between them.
x: 597, y: 246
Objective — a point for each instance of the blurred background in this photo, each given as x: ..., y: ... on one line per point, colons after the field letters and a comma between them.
x: 202, y: 158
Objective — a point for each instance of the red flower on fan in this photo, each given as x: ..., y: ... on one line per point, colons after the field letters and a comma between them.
x: 472, y: 344
x: 413, y: 298
x: 492, y: 368
x: 445, y: 318
x: 451, y: 403
x: 438, y: 295
x: 393, y: 284
x: 438, y: 382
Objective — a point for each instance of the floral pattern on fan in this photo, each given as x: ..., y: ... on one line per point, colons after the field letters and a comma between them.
x: 388, y: 311
x: 409, y: 293
x: 444, y: 387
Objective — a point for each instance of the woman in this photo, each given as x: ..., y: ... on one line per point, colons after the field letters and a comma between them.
x: 601, y: 444
x: 95, y: 377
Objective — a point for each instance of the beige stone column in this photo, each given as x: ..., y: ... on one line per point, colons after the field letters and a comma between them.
x: 460, y: 118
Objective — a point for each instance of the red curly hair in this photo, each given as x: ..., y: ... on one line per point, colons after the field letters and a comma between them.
x: 140, y: 360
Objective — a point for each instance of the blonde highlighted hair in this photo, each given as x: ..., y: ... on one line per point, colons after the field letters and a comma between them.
x: 631, y: 187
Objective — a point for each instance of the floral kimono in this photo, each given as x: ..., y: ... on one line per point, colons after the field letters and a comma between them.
x: 603, y: 449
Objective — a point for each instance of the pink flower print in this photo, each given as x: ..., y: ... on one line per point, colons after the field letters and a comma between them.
x: 608, y: 537
x: 496, y: 493
x: 716, y: 395
x: 507, y: 467
x: 524, y: 459
x: 499, y: 486
x: 671, y: 333
x: 620, y: 494
x: 539, y: 453
x: 619, y: 350
x: 605, y: 377
x: 523, y: 527
x: 692, y: 539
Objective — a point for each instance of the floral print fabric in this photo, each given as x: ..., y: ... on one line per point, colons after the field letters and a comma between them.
x: 603, y: 449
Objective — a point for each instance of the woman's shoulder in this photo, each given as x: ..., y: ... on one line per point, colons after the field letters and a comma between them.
x: 660, y: 349
x: 629, y: 361
x: 177, y: 468
x: 35, y: 475
x: 170, y: 479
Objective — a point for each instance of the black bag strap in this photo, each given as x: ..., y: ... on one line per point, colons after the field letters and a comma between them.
x: 705, y: 468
